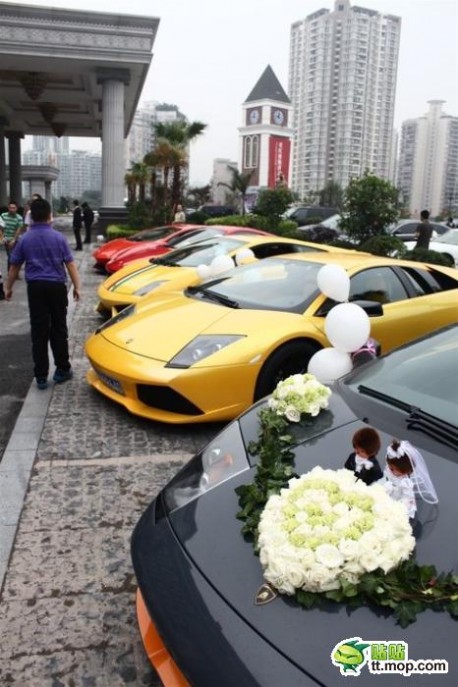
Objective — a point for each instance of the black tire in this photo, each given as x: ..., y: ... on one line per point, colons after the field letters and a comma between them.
x: 291, y: 358
x: 449, y: 258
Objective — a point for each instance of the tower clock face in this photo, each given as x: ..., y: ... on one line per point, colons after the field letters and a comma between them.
x: 254, y: 116
x: 278, y: 117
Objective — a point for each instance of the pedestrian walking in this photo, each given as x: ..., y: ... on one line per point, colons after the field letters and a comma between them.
x: 179, y: 215
x: 88, y: 219
x: 424, y: 231
x: 46, y: 255
x: 77, y: 224
x: 11, y: 223
x: 28, y: 216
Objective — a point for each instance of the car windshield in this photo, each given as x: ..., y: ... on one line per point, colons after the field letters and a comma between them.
x: 151, y: 234
x: 270, y: 284
x: 200, y: 253
x: 188, y: 237
x: 422, y: 376
x: 450, y: 237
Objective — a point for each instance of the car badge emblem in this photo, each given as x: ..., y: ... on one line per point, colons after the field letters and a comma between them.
x: 265, y: 594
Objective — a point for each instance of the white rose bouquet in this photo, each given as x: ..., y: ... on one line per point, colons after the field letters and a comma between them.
x: 327, y: 528
x: 300, y: 394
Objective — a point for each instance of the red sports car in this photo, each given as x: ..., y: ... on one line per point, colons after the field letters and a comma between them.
x: 104, y: 253
x: 179, y: 239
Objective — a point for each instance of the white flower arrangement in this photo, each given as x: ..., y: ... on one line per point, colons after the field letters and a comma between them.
x: 297, y: 395
x: 327, y: 528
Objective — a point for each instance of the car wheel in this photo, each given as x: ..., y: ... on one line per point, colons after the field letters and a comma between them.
x: 292, y: 358
x: 449, y: 258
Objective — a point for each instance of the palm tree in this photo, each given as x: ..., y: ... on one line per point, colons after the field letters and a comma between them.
x: 239, y: 183
x: 178, y: 134
x: 129, y: 180
x: 140, y: 173
x: 161, y: 157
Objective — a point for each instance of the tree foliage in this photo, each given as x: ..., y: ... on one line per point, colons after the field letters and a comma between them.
x: 273, y: 203
x: 370, y: 206
x: 238, y: 185
x: 332, y: 195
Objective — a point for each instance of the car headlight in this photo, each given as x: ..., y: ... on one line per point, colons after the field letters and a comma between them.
x: 148, y: 288
x: 201, y: 347
x: 126, y: 312
x: 223, y: 458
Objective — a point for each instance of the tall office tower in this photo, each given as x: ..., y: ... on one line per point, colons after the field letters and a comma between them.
x: 222, y: 195
x: 342, y: 82
x: 428, y: 162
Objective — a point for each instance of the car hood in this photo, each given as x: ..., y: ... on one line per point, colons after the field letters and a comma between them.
x: 112, y: 247
x: 153, y: 332
x: 208, y: 530
x: 146, y: 274
x: 143, y: 249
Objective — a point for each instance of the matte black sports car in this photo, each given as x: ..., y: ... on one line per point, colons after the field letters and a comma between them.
x: 198, y: 577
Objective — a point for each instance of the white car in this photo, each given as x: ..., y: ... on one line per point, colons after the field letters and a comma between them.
x: 447, y: 244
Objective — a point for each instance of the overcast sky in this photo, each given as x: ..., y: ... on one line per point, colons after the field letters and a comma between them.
x: 209, y: 54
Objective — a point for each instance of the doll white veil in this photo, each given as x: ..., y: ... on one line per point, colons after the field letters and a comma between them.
x: 421, y: 480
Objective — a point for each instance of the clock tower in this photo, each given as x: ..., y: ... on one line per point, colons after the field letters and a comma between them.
x: 266, y: 135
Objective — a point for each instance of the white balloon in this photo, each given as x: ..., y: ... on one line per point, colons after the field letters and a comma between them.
x: 334, y: 282
x: 220, y: 264
x: 347, y: 327
x: 203, y: 271
x: 329, y: 364
x: 243, y: 255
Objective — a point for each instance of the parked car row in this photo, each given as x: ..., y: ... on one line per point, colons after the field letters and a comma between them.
x: 189, y: 345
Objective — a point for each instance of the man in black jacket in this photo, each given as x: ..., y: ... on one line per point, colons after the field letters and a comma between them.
x: 88, y: 219
x: 77, y: 224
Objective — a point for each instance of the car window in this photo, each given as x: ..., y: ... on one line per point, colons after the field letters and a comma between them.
x: 201, y: 253
x: 409, y: 228
x: 451, y: 237
x: 152, y: 234
x: 280, y: 248
x: 271, y: 284
x: 191, y: 236
x: 379, y: 284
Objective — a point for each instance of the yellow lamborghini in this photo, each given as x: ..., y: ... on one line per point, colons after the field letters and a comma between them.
x: 178, y: 269
x: 207, y: 353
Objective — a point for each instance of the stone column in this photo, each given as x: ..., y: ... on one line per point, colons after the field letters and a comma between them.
x: 48, y: 195
x: 14, y: 149
x: 3, y: 194
x: 113, y: 171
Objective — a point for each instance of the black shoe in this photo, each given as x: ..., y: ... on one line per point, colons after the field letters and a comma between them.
x: 42, y: 383
x: 62, y: 375
x: 79, y: 248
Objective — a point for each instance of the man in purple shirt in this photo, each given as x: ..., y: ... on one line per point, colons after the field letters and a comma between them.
x: 47, y: 256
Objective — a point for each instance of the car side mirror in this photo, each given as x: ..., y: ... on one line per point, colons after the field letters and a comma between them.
x: 372, y: 308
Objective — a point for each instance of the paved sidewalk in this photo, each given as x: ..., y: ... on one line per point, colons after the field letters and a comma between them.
x: 75, y: 476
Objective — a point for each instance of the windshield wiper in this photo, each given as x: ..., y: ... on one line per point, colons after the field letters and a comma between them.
x: 418, y: 419
x: 439, y: 429
x: 163, y: 261
x: 367, y: 391
x: 213, y: 296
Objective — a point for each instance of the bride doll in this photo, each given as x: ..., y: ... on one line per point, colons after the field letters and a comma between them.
x: 406, y: 474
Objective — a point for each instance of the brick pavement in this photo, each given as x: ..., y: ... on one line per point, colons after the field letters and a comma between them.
x: 67, y: 602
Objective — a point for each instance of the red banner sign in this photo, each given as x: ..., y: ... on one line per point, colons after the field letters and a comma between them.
x: 279, y: 153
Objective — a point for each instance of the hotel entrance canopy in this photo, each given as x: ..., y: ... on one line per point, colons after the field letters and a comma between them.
x: 73, y: 73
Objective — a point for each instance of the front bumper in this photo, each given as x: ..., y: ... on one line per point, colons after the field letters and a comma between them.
x: 193, y: 395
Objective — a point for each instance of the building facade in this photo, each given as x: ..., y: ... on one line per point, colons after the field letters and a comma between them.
x: 222, y: 195
x: 428, y: 162
x: 265, y: 135
x: 79, y: 170
x: 342, y: 83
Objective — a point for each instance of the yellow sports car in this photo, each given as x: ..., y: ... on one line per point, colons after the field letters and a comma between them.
x: 177, y: 270
x: 207, y: 353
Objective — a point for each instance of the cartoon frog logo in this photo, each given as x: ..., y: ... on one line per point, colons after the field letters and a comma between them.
x: 349, y: 656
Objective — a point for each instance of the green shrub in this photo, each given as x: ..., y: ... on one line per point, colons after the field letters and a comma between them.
x: 384, y: 245
x: 139, y: 216
x: 198, y: 217
x: 343, y: 243
x: 431, y: 256
x: 117, y: 231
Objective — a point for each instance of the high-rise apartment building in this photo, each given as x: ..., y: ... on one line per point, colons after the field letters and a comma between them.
x: 342, y: 82
x: 428, y: 162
